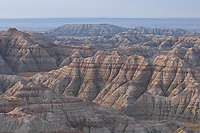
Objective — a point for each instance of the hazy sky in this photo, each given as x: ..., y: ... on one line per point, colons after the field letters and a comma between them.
x: 100, y: 8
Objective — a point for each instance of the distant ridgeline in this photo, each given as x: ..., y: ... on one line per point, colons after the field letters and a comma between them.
x: 45, y: 24
x: 86, y: 30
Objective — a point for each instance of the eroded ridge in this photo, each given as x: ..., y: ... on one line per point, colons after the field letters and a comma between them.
x: 30, y: 107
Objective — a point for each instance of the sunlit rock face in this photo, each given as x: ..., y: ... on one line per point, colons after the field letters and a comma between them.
x: 163, y: 88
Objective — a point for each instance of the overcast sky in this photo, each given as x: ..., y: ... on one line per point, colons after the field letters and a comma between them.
x: 100, y: 8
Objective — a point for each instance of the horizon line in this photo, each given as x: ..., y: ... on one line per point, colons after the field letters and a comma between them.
x: 101, y: 18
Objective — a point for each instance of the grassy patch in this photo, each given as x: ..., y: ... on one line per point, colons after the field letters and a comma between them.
x: 26, y: 75
x: 180, y: 129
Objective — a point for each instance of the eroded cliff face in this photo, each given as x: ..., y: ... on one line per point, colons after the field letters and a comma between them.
x: 8, y: 81
x: 160, y: 88
x: 21, y: 52
x: 148, y: 46
x: 30, y: 107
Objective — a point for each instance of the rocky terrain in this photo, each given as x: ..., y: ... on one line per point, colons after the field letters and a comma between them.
x: 166, y: 88
x: 148, y: 46
x: 21, y: 52
x: 167, y: 32
x: 33, y: 108
x: 88, y: 30
x: 111, y: 83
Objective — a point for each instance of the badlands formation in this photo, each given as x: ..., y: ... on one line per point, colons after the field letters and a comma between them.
x: 124, y: 82
x: 87, y: 30
x: 21, y: 52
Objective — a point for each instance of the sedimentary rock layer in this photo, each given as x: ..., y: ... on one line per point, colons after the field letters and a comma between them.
x: 21, y: 52
x: 163, y: 88
x: 36, y: 108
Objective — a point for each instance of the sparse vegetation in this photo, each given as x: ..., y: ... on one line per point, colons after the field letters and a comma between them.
x: 26, y: 75
x: 14, y: 99
x: 180, y: 129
